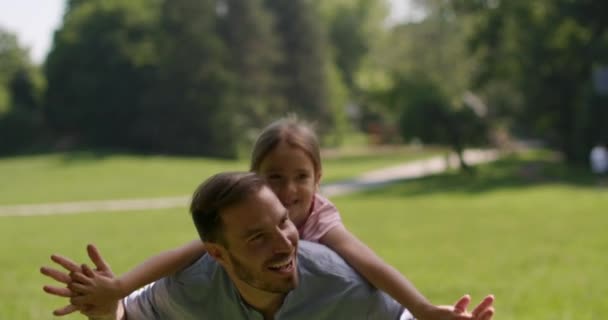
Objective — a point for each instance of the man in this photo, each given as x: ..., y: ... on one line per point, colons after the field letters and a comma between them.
x: 255, y: 268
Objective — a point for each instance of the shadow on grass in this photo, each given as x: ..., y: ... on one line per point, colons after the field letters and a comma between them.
x: 531, y: 169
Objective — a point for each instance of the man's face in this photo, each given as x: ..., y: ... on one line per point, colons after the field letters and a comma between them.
x: 261, y: 244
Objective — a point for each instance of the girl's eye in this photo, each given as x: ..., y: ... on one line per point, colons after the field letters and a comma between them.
x: 273, y: 177
x: 303, y: 176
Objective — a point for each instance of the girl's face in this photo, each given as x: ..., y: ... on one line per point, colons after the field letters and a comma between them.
x: 291, y: 175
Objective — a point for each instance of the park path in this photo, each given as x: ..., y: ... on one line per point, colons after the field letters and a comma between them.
x: 368, y: 180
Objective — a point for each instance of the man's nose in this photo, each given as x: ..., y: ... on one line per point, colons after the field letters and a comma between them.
x: 282, y: 242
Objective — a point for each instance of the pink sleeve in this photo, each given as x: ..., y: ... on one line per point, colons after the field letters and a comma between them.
x: 324, y: 217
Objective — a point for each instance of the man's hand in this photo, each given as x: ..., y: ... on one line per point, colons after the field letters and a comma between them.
x: 74, y: 285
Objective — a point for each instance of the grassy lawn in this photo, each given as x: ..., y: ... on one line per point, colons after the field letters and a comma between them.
x: 525, y: 229
x: 531, y: 232
x: 89, y: 176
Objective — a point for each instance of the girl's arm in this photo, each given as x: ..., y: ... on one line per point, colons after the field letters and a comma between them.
x: 382, y: 275
x: 101, y: 290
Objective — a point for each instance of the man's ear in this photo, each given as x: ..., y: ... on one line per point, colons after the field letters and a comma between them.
x: 216, y: 251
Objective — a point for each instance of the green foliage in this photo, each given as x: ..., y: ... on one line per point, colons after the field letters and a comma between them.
x: 352, y: 27
x: 434, y: 47
x: 190, y: 105
x: 21, y: 123
x: 426, y: 114
x: 302, y: 72
x: 98, y: 69
x: 247, y: 28
x: 20, y: 130
x: 544, y: 52
x: 191, y: 77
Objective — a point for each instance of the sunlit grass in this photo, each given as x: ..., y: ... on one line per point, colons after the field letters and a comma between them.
x: 89, y: 176
x: 531, y: 232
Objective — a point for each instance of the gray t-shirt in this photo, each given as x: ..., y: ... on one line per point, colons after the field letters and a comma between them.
x: 328, y: 289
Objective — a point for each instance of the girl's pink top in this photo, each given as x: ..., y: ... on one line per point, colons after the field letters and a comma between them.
x: 322, y: 218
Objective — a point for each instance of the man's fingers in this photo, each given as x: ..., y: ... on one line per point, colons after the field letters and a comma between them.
x: 485, y: 304
x: 65, y: 262
x: 65, y: 310
x: 95, y: 256
x: 55, y: 274
x: 462, y: 304
x: 57, y: 291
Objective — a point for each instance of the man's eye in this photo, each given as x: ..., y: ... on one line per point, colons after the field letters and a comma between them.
x: 256, y: 238
x: 303, y: 176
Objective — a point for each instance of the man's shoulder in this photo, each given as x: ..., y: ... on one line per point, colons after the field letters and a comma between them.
x: 199, y: 281
x: 319, y: 261
x: 331, y: 289
x: 187, y: 294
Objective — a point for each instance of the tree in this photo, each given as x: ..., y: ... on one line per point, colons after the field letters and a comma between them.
x: 303, y: 69
x: 425, y: 113
x: 99, y: 65
x: 545, y: 51
x: 190, y: 108
x: 13, y: 59
x: 246, y: 27
x: 21, y: 123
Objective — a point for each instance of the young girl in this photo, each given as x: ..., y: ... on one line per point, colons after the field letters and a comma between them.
x: 287, y: 155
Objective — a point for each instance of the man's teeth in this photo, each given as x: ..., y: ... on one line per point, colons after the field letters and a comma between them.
x: 281, y: 265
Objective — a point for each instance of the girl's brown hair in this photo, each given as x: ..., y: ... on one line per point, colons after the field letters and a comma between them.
x: 292, y: 131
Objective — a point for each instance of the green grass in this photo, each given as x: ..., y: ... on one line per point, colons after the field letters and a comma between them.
x: 532, y: 233
x: 352, y: 163
x: 89, y: 176
x: 526, y: 229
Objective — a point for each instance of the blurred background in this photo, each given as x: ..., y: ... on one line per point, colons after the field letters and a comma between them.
x: 110, y: 99
x: 202, y: 77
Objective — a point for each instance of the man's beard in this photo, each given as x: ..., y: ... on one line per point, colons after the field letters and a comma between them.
x: 247, y: 275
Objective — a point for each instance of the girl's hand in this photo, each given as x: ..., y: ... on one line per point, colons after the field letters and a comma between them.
x: 484, y: 311
x: 94, y: 289
x: 74, y: 290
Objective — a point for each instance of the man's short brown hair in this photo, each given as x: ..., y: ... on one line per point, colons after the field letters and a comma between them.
x: 216, y: 194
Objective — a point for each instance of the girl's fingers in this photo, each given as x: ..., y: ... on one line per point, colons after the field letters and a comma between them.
x: 81, y: 278
x: 65, y: 310
x: 65, y: 262
x: 61, y: 292
x: 88, y: 271
x: 484, y: 305
x: 81, y: 301
x: 55, y: 274
x: 95, y: 256
x: 462, y: 304
x: 79, y: 288
x: 487, y: 314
